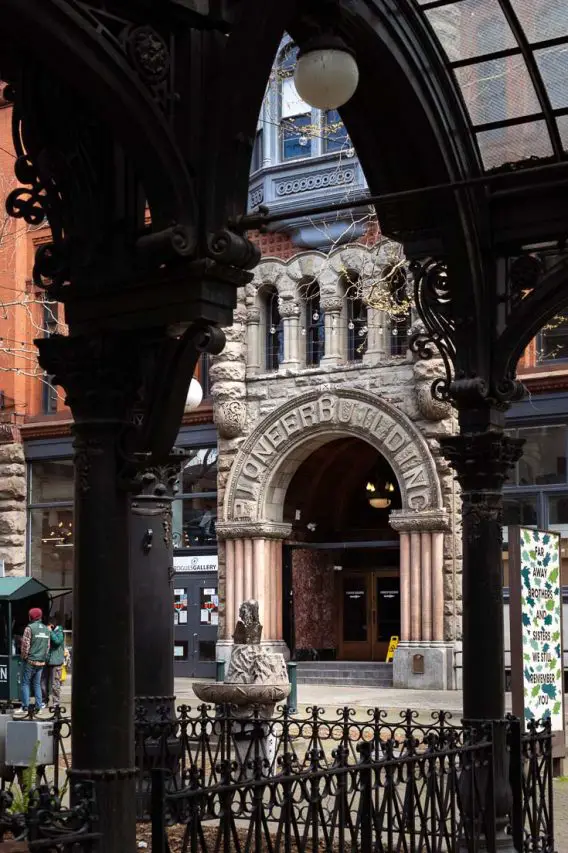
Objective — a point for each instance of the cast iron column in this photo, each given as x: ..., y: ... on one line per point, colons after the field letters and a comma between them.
x: 101, y: 378
x: 151, y: 555
x: 482, y: 460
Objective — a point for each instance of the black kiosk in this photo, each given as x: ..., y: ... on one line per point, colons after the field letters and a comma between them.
x: 17, y: 596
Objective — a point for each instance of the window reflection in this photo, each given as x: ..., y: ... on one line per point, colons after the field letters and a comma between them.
x: 51, y: 554
x: 200, y: 471
x: 51, y: 481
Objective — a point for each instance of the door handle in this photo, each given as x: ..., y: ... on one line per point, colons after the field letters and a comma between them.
x: 193, y: 645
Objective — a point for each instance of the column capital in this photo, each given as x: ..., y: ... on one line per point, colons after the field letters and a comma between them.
x: 411, y: 521
x: 253, y: 530
x: 481, y: 460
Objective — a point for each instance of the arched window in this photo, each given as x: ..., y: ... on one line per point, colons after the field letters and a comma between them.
x: 273, y: 330
x: 315, y: 336
x: 400, y: 328
x: 295, y: 114
x: 357, y: 329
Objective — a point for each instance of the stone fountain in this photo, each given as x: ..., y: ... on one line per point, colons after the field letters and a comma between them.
x: 256, y: 680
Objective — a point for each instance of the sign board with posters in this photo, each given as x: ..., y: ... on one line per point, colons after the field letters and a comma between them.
x: 537, y: 668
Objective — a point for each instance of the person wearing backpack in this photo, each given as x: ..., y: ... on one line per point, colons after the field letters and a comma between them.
x: 34, y: 653
x: 54, y: 664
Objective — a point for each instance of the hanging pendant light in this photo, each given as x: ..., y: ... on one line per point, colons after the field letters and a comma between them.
x: 380, y: 501
x: 326, y: 74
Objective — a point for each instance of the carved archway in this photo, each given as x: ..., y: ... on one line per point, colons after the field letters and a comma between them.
x: 270, y: 456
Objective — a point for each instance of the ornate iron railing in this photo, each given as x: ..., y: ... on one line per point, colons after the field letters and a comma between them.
x: 46, y: 825
x: 352, y: 780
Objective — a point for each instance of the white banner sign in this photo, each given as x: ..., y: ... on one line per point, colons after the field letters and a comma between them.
x: 192, y: 563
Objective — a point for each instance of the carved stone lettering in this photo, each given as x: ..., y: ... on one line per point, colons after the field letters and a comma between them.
x: 355, y: 413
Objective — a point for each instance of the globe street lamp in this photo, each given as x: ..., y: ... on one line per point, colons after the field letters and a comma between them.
x: 326, y: 74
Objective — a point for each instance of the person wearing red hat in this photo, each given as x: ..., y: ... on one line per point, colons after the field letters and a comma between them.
x: 34, y: 653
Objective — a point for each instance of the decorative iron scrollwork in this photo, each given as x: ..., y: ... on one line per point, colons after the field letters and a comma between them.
x: 432, y: 298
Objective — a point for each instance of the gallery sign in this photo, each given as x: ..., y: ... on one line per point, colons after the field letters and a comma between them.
x: 537, y: 667
x: 192, y: 563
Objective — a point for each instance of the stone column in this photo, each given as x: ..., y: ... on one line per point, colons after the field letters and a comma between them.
x: 421, y: 601
x: 376, y: 337
x: 290, y: 313
x: 253, y: 340
x: 253, y: 563
x: 334, y: 335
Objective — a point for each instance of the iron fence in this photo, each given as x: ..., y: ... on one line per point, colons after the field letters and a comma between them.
x: 45, y: 824
x: 348, y: 781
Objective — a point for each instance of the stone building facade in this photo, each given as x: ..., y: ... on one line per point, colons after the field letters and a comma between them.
x: 361, y: 408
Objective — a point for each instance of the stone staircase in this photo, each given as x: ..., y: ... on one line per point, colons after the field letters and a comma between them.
x: 348, y: 673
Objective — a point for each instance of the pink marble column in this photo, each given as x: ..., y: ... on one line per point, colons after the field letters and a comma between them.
x: 404, y: 586
x: 239, y: 575
x: 248, y: 570
x: 258, y: 576
x: 278, y: 588
x: 415, y: 587
x: 438, y: 586
x: 229, y: 588
x: 268, y: 630
x: 426, y: 590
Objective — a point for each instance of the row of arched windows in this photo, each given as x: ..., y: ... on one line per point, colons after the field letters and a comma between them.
x: 353, y: 326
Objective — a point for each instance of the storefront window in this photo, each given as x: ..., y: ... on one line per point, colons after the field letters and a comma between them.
x: 51, y: 481
x: 544, y: 456
x: 194, y: 512
x: 51, y: 554
x: 199, y: 472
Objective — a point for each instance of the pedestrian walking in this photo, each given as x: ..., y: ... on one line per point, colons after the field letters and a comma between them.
x: 34, y: 653
x: 54, y: 666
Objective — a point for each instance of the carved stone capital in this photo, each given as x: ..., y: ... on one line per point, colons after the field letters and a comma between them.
x: 230, y: 418
x: 253, y: 530
x: 253, y: 316
x: 481, y: 460
x: 289, y: 308
x: 435, y: 520
x: 332, y: 304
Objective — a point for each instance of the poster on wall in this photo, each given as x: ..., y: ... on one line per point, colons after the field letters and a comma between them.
x: 180, y: 607
x: 535, y: 614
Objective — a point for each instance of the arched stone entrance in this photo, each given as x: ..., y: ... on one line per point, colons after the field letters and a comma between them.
x: 253, y: 527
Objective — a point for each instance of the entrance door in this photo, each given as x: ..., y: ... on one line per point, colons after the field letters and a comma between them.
x: 369, y: 613
x: 196, y: 614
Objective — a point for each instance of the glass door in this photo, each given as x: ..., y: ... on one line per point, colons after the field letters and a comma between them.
x: 370, y: 614
x: 386, y: 613
x: 356, y: 637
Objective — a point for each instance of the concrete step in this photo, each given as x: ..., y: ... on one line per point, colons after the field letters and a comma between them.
x: 353, y: 673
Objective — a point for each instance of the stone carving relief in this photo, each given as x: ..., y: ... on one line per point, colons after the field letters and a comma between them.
x: 230, y: 418
x: 345, y: 412
x: 425, y: 372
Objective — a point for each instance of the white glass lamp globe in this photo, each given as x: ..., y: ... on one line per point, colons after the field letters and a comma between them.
x: 194, y: 396
x: 326, y: 74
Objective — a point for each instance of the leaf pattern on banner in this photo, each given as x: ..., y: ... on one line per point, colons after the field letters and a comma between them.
x: 541, y: 625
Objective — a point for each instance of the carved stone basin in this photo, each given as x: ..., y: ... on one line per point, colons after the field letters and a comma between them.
x: 223, y: 693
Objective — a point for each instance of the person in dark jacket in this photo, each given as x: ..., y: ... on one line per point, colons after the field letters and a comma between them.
x: 54, y: 663
x: 34, y: 653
